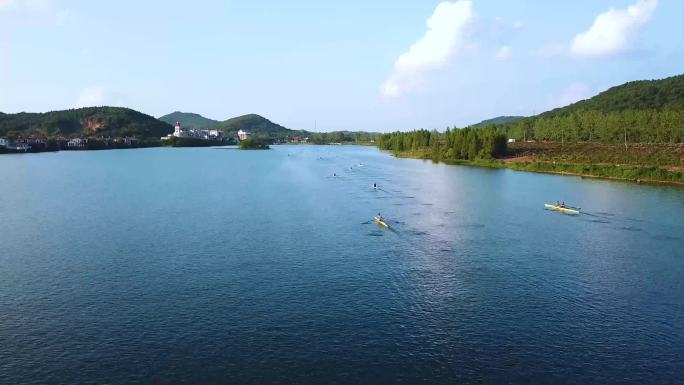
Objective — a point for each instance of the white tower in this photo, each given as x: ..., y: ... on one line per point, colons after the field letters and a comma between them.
x: 178, y: 131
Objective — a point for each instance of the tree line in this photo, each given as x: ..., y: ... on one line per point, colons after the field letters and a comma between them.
x: 340, y: 137
x: 454, y: 144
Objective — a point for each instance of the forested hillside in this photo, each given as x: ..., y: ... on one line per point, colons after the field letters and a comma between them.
x: 629, y: 132
x: 647, y: 111
x: 498, y: 121
x: 189, y: 120
x: 254, y: 124
x: 90, y: 121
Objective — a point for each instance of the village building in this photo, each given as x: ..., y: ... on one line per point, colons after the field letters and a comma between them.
x: 15, y: 145
x: 77, y: 143
x: 243, y: 135
x: 207, y: 134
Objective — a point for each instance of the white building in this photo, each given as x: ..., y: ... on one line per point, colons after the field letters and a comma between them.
x: 77, y: 143
x: 180, y: 132
x: 21, y: 146
x: 17, y: 145
x: 243, y: 135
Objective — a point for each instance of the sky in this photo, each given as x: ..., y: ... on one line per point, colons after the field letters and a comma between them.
x: 380, y: 65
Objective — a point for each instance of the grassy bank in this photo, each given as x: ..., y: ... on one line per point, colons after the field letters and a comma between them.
x: 639, y: 154
x: 650, y: 163
x: 628, y: 173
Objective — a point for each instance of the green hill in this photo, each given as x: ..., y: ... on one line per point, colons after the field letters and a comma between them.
x: 189, y: 120
x: 255, y: 124
x: 646, y: 111
x: 90, y: 121
x: 498, y: 121
x: 663, y: 94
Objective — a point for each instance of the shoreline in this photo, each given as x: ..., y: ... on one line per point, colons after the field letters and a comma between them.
x: 217, y: 145
x: 500, y: 163
x: 523, y: 166
x: 613, y: 178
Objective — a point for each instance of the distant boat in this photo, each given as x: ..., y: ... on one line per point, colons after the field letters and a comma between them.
x: 381, y: 222
x: 563, y: 209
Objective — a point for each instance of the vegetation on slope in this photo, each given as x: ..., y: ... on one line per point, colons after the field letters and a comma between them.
x: 645, y: 154
x: 633, y: 131
x: 254, y: 124
x: 662, y: 94
x: 189, y: 120
x: 488, y: 147
x: 90, y: 121
x: 499, y: 120
x: 647, y: 111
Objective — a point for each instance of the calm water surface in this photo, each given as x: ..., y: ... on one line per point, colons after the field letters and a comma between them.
x: 213, y: 266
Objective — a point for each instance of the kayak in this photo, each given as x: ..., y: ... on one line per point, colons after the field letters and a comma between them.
x: 381, y: 222
x: 564, y: 210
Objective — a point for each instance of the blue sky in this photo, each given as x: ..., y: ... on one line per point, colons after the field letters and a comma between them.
x: 360, y: 65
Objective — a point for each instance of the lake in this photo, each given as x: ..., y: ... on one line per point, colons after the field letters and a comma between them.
x: 212, y: 266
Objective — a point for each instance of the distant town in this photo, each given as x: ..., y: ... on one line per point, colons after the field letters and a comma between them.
x: 37, y: 144
x: 204, y: 134
x: 181, y: 136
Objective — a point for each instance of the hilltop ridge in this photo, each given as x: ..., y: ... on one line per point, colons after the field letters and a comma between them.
x: 189, y: 120
x: 87, y: 121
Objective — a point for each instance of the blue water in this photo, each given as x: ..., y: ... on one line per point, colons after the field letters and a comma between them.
x: 219, y: 266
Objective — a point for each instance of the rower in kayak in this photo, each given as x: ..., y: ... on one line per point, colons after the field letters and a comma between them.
x: 563, y: 208
x: 381, y: 221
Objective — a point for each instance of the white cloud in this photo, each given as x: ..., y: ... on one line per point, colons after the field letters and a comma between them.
x: 91, y: 97
x: 504, y: 53
x: 572, y: 94
x: 613, y: 30
x: 445, y: 37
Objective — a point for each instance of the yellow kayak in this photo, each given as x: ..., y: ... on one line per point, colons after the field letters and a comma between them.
x: 564, y: 210
x: 381, y: 222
